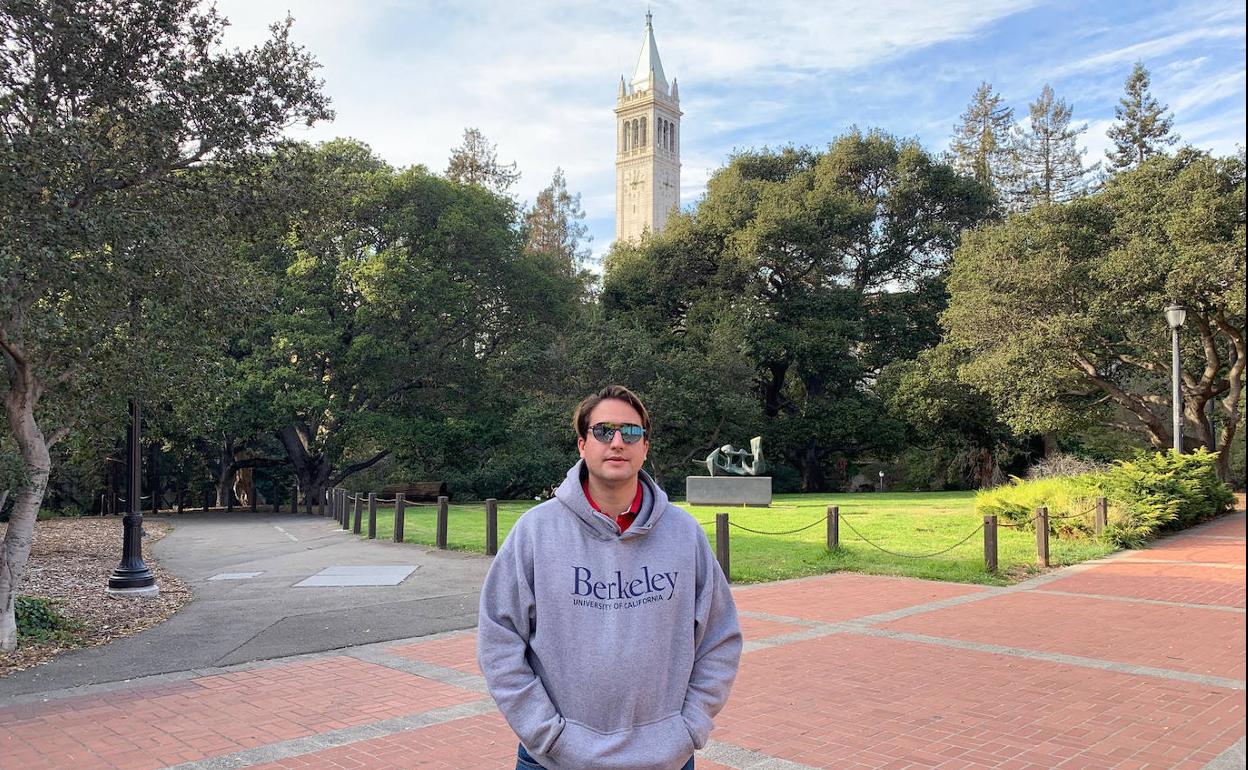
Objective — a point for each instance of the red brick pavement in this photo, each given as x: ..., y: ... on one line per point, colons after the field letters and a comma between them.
x: 473, y: 743
x: 1146, y: 635
x: 847, y: 701
x: 1162, y: 582
x: 844, y: 700
x: 212, y: 715
x: 845, y: 596
x: 457, y: 651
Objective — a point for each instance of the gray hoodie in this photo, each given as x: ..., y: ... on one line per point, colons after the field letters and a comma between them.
x: 608, y: 651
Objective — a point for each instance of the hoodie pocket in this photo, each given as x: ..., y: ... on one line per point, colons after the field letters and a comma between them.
x: 662, y: 745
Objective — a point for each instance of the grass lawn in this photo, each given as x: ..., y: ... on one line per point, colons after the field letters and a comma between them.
x: 911, y: 523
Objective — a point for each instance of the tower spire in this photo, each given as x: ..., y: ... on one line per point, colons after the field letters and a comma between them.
x: 649, y: 61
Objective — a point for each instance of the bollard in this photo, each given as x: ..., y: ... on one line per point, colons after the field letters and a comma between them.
x: 443, y: 511
x: 990, y: 543
x: 372, y: 515
x: 1042, y: 536
x: 229, y: 501
x: 721, y: 544
x: 491, y: 526
x: 208, y: 501
x: 1102, y: 515
x: 253, y: 497
x: 294, y: 497
x: 400, y: 503
x: 357, y: 524
x: 834, y: 527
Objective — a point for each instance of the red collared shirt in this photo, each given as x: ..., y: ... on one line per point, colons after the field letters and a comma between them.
x: 625, y: 519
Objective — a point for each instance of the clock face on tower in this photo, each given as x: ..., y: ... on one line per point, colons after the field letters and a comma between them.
x: 635, y: 180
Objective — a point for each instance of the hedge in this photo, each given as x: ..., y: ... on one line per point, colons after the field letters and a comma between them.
x: 1148, y: 494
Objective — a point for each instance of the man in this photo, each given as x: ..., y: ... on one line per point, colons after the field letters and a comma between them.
x: 608, y: 636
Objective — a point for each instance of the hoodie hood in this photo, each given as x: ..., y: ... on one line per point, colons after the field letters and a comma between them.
x: 572, y: 496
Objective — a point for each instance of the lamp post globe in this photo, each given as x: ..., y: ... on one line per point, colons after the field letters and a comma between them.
x: 1176, y: 314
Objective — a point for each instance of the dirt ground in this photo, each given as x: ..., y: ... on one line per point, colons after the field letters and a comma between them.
x: 70, y: 563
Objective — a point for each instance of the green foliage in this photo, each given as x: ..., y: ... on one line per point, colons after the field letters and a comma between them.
x: 1146, y: 495
x: 1057, y: 312
x: 826, y: 266
x: 38, y: 621
x: 1174, y: 490
x: 1017, y: 502
x: 1142, y: 128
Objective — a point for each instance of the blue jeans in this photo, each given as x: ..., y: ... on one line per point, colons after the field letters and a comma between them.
x: 526, y: 762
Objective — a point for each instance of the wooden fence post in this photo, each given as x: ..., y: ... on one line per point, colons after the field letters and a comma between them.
x: 400, y: 513
x: 343, y: 511
x: 491, y: 526
x: 372, y: 515
x: 254, y: 501
x: 208, y: 501
x: 358, y: 524
x: 990, y: 543
x: 834, y: 527
x: 1042, y: 536
x: 294, y: 497
x: 1102, y: 515
x: 721, y: 544
x: 348, y: 504
x: 229, y: 501
x: 443, y: 513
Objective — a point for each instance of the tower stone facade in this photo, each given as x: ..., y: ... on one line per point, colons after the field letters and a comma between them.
x: 647, y: 154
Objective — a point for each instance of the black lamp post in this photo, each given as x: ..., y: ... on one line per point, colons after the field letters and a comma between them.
x: 132, y: 577
x: 1175, y: 316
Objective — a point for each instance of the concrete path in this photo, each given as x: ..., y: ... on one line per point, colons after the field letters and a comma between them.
x: 1136, y: 661
x: 254, y: 618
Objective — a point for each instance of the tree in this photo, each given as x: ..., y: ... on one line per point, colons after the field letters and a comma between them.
x: 1142, y: 129
x: 1048, y: 162
x: 981, y: 141
x: 553, y: 226
x: 111, y: 108
x: 1059, y: 309
x: 476, y: 162
x: 829, y: 264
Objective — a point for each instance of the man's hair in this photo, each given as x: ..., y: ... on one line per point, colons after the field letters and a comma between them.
x: 580, y: 417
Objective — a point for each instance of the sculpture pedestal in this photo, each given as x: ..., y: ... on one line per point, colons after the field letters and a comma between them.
x: 728, y: 490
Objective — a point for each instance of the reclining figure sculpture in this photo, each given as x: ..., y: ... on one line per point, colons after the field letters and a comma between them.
x: 730, y: 461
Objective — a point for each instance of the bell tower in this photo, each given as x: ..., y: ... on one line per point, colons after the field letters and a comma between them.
x: 647, y: 152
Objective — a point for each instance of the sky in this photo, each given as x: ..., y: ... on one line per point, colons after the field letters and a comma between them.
x: 540, y: 79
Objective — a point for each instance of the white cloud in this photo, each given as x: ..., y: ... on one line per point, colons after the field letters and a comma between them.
x: 539, y: 79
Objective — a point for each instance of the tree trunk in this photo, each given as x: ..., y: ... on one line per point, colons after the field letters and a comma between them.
x: 812, y: 469
x: 311, y: 470
x: 19, y: 404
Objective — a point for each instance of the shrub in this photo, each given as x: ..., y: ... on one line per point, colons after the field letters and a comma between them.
x: 1063, y: 495
x: 1165, y: 490
x: 38, y: 621
x: 1147, y: 494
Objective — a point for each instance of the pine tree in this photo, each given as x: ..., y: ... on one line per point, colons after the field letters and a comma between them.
x: 1142, y: 128
x: 1048, y: 160
x: 981, y: 142
x: 476, y: 162
x: 554, y: 224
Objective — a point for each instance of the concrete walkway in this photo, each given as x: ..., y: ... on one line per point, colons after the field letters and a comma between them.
x: 1135, y: 661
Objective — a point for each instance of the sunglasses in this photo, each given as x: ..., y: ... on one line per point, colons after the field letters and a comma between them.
x: 605, y: 432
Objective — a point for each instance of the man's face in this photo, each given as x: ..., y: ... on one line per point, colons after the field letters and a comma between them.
x: 616, y: 461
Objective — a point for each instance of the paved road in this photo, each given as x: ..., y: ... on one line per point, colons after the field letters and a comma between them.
x: 1136, y: 661
x: 234, y: 621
